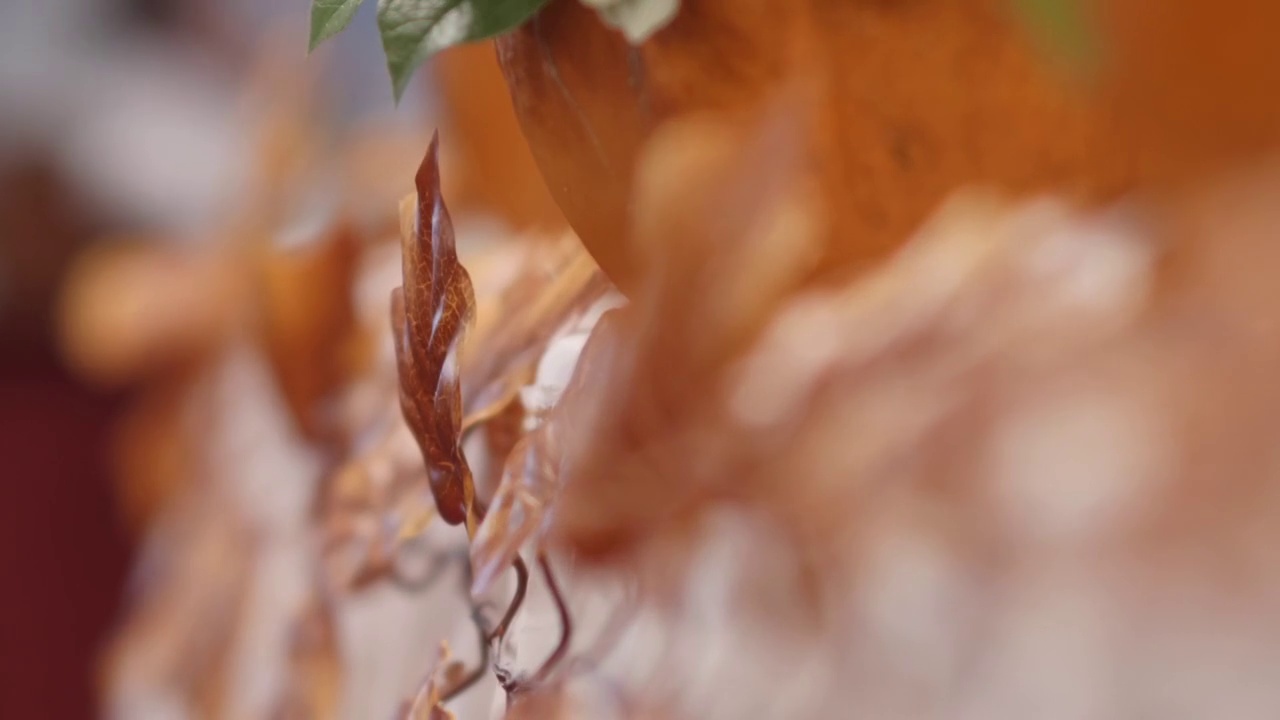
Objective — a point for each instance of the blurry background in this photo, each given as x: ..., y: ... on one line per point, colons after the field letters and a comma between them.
x: 116, y: 116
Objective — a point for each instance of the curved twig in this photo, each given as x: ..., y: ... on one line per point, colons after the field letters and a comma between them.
x: 522, y: 585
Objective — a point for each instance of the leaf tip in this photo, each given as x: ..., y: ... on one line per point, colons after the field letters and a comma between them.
x: 328, y: 18
x: 401, y: 74
x: 428, y: 177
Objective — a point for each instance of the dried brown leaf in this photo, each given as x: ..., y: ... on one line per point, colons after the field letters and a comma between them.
x: 372, y: 506
x: 153, y: 451
x: 501, y: 433
x: 541, y: 301
x: 430, y: 314
x: 494, y: 173
x: 181, y: 634
x: 727, y: 243
x: 309, y: 324
x: 130, y: 312
x: 531, y: 474
x: 425, y: 704
x: 313, y: 691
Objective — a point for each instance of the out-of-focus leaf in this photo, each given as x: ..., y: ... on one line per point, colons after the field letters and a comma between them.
x: 153, y: 451
x: 489, y: 168
x: 425, y: 704
x: 181, y: 633
x: 129, y: 312
x: 330, y: 17
x: 535, y: 306
x: 531, y: 474
x: 314, y: 688
x: 637, y: 19
x: 430, y: 314
x: 529, y: 481
x: 372, y: 506
x: 414, y: 30
x: 309, y: 324
x: 725, y: 247
x: 501, y: 433
x: 1063, y: 28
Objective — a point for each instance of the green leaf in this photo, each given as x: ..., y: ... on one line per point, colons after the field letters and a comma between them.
x: 414, y: 30
x: 330, y: 17
x: 1063, y: 28
x: 637, y: 19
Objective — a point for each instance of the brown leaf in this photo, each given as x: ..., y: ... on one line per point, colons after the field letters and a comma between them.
x: 313, y: 690
x: 501, y: 434
x: 531, y: 474
x: 430, y: 314
x: 529, y: 482
x: 541, y: 301
x: 425, y: 704
x: 492, y: 171
x: 914, y: 100
x: 129, y: 312
x: 371, y: 507
x: 726, y: 243
x: 182, y: 631
x: 309, y: 324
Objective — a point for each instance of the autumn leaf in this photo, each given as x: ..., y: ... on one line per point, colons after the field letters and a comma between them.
x: 309, y: 325
x: 531, y: 474
x: 529, y: 480
x: 430, y: 315
x: 372, y: 506
x: 724, y: 247
x: 501, y: 433
x: 315, y: 666
x: 535, y: 306
x: 425, y: 704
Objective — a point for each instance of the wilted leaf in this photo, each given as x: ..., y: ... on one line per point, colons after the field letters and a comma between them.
x: 430, y: 314
x: 414, y: 30
x: 529, y: 481
x: 309, y: 324
x: 180, y: 635
x: 501, y: 433
x: 426, y: 702
x: 314, y: 687
x: 129, y: 312
x: 372, y: 506
x: 330, y: 17
x: 535, y: 306
x: 726, y: 245
x: 531, y: 474
x: 488, y: 168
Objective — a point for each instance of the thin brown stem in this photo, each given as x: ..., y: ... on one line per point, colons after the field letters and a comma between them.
x: 566, y: 623
x: 522, y: 585
x: 475, y: 675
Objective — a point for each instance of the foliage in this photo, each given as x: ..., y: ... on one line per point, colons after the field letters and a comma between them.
x: 414, y: 30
